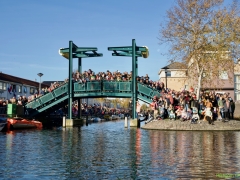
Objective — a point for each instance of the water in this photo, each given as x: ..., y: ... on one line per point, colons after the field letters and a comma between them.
x: 109, y: 151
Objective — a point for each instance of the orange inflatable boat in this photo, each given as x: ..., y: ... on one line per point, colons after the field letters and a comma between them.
x: 20, y: 123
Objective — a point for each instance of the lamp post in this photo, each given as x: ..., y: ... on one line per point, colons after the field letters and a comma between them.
x: 166, y: 77
x: 40, y: 75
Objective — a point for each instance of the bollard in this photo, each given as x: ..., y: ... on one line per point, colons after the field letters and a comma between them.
x: 138, y: 123
x: 87, y: 120
x: 126, y: 123
x: 64, y: 122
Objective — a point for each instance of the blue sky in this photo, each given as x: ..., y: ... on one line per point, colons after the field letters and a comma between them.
x: 32, y: 32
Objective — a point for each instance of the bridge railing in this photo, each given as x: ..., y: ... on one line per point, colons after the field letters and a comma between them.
x: 103, y: 86
x: 144, y: 92
x: 117, y: 86
x: 47, y: 98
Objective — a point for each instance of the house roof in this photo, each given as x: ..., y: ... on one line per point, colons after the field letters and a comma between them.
x: 175, y: 65
x: 14, y: 79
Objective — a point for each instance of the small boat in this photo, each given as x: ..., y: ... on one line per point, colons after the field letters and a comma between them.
x: 96, y: 119
x: 115, y: 117
x: 122, y: 116
x: 3, y: 123
x: 20, y: 123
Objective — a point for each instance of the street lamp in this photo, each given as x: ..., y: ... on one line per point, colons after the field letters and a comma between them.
x: 40, y: 75
x: 166, y: 70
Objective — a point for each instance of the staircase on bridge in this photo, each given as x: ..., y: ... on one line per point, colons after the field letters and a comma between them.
x: 92, y: 89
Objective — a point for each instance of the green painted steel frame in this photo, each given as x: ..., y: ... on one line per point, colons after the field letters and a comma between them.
x: 77, y: 52
x: 97, y: 88
x: 134, y: 52
x: 47, y: 100
x: 112, y: 89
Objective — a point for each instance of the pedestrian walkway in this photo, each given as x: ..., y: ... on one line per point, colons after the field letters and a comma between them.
x: 167, y: 124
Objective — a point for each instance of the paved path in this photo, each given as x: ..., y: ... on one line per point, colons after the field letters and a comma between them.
x: 167, y: 124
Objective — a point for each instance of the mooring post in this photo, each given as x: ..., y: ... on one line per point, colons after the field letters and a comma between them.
x: 126, y: 122
x: 64, y: 122
x: 138, y: 123
x: 87, y: 120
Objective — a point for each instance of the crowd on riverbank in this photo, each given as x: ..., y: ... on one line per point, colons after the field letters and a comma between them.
x: 184, y: 105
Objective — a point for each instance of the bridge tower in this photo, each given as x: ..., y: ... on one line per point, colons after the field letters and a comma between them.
x: 134, y: 52
x: 76, y: 52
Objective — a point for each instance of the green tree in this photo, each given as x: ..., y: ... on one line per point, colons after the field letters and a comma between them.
x: 204, y: 35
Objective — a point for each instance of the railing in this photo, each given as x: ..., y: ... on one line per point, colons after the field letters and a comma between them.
x: 47, y: 98
x: 146, y: 93
x: 124, y: 88
x: 103, y: 86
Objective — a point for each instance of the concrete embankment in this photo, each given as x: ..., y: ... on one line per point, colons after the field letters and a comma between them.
x: 232, y: 125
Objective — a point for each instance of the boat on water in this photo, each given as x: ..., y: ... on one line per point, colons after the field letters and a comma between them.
x: 114, y: 117
x: 3, y: 123
x: 20, y: 123
x: 96, y: 119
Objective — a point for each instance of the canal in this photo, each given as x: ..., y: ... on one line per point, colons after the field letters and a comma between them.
x: 107, y: 150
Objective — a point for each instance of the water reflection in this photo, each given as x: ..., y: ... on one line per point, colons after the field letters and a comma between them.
x: 109, y: 151
x: 200, y: 154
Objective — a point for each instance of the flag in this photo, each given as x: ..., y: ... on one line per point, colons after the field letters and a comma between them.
x: 10, y: 89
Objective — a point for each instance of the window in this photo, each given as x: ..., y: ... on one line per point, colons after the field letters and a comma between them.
x: 223, y: 75
x: 31, y: 90
x: 3, y: 86
x: 14, y: 88
x: 168, y: 73
x: 25, y: 89
x: 237, y: 87
x: 20, y: 89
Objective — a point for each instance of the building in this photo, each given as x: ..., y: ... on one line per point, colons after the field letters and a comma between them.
x: 237, y: 81
x: 15, y: 86
x: 174, y: 76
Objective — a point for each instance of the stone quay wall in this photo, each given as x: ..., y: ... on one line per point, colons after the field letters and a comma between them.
x: 166, y: 124
x: 232, y: 125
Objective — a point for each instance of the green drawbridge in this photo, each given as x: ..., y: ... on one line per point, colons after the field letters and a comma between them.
x: 92, y: 89
x: 70, y: 91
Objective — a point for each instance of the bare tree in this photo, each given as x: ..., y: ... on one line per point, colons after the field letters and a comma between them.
x: 203, y: 35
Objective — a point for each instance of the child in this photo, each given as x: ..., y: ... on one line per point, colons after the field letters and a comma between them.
x: 179, y: 112
x: 195, y: 116
x: 184, y: 115
x: 208, y: 115
x: 189, y: 114
x: 171, y: 113
x: 161, y: 111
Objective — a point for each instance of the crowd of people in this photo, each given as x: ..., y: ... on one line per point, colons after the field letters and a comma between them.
x: 171, y: 104
x: 184, y: 105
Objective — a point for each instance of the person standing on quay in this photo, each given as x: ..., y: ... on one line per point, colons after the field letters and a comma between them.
x: 231, y: 109
x: 138, y: 108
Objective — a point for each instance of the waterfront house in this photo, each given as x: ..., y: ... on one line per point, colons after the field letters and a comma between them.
x: 175, y: 75
x: 15, y: 86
